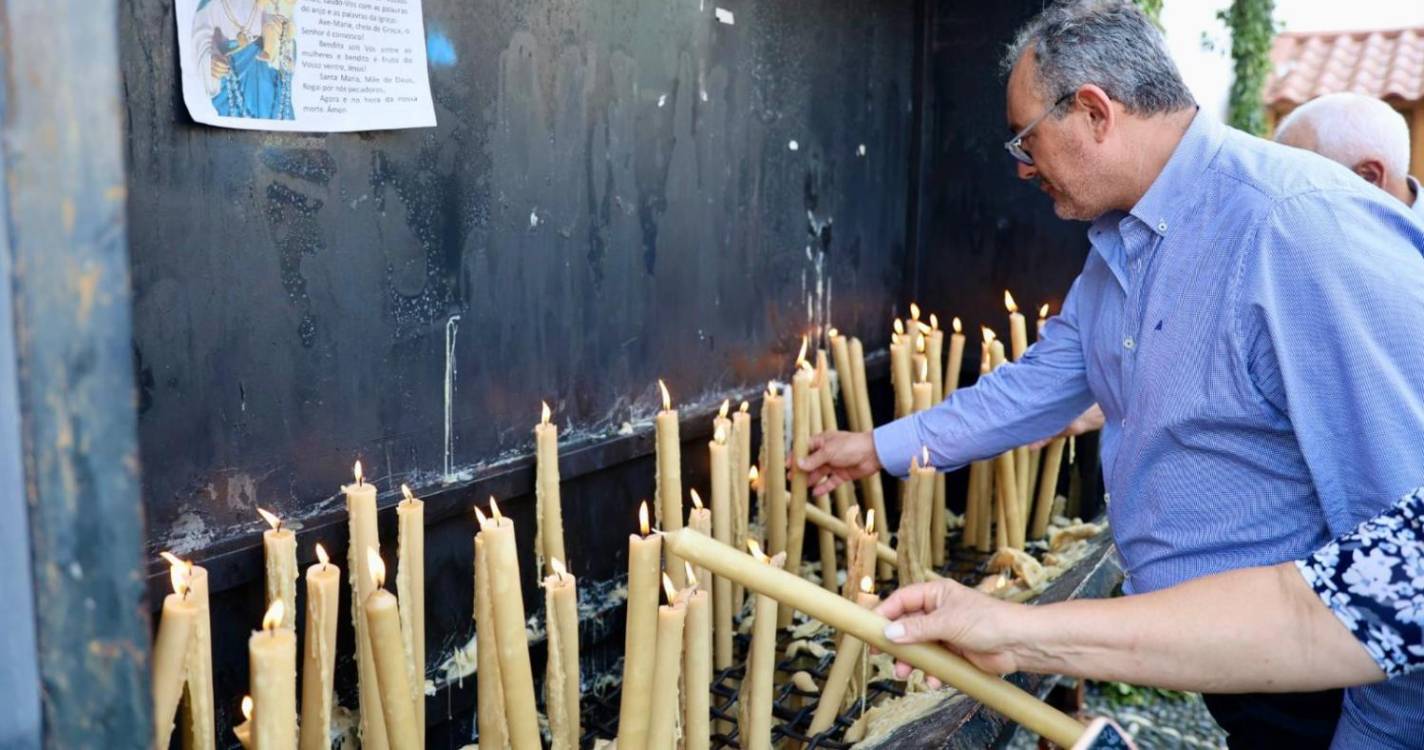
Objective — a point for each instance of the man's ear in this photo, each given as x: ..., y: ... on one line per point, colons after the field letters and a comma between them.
x: 1373, y: 171
x: 1098, y: 106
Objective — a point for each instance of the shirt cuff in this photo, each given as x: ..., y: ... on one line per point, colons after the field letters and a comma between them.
x: 896, y: 443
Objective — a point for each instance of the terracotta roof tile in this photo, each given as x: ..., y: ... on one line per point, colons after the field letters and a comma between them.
x: 1384, y: 64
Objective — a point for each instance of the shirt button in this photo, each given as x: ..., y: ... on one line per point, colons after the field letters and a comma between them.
x: 1128, y: 343
x: 1162, y: 226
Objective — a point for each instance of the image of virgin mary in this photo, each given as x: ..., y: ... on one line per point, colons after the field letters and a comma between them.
x: 246, y: 53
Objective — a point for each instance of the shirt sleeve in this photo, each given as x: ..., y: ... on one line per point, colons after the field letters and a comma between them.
x: 1372, y: 579
x: 1017, y: 404
x: 1330, y: 335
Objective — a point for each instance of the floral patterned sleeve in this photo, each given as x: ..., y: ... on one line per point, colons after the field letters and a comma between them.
x: 1373, y: 580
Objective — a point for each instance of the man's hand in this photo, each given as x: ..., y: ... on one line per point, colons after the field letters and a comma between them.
x: 1091, y: 420
x: 834, y: 458
x: 974, y: 625
x: 220, y: 66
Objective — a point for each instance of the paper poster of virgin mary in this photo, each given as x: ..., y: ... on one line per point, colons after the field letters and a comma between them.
x: 244, y: 53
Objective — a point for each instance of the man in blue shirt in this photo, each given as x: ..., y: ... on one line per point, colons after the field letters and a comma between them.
x: 1249, y: 319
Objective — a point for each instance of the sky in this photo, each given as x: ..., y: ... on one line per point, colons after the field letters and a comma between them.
x: 1207, y: 70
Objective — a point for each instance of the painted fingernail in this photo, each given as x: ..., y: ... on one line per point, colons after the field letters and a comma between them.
x: 894, y: 631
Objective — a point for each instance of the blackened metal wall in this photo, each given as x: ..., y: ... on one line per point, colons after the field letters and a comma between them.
x: 611, y: 196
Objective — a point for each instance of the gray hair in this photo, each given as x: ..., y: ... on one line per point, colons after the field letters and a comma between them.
x: 1350, y: 128
x: 1108, y: 43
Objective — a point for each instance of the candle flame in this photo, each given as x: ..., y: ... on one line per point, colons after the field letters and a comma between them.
x: 924, y: 370
x: 480, y: 517
x: 669, y: 588
x: 867, y: 585
x: 832, y: 332
x: 771, y: 389
x: 801, y: 355
x: 934, y: 322
x: 696, y: 499
x: 1043, y: 311
x: 247, y: 708
x: 643, y: 517
x: 494, y: 510
x: 405, y: 492
x: 755, y: 549
x: 1009, y: 302
x: 691, y: 576
x: 920, y: 345
x: 544, y: 412
x: 805, y: 366
x: 271, y: 519
x: 360, y: 475
x: 958, y: 327
x: 722, y: 412
x: 179, y: 575
x: 667, y: 397
x: 914, y: 311
x: 746, y: 407
x: 988, y: 334
x: 558, y: 566
x: 899, y: 327
x: 273, y: 617
x: 376, y: 565
x: 321, y: 555
x: 870, y: 521
x: 720, y: 436
x: 752, y: 476
x: 924, y: 455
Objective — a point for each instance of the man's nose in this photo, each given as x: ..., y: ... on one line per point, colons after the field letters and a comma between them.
x: 1026, y: 171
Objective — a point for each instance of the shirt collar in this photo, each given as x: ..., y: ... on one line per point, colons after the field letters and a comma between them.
x: 1176, y: 185
x: 1414, y: 188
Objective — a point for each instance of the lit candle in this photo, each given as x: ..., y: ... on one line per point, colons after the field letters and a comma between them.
x: 170, y: 652
x: 243, y: 731
x: 361, y: 516
x: 561, y: 677
x: 754, y: 714
x: 901, y: 372
x: 516, y: 675
x: 644, y: 556
x: 923, y: 390
x: 279, y: 552
x: 848, y: 651
x: 548, y: 504
x: 1007, y: 476
x: 696, y: 666
x: 489, y: 707
x: 845, y: 491
x: 826, y: 541
x: 699, y: 520
x: 272, y: 656
x: 848, y: 617
x: 862, y: 547
x: 773, y: 445
x: 912, y: 543
x: 956, y: 358
x: 669, y: 480
x: 722, y: 482
x: 872, y: 489
x: 410, y: 591
x: 815, y: 515
x: 195, y: 715
x: 383, y: 620
x: 800, y: 445
x: 1018, y: 336
x: 662, y: 728
x: 741, y: 498
x: 983, y: 492
x: 319, y: 661
x: 1042, y: 320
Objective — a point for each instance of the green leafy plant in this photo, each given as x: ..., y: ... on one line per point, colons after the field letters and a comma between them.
x: 1252, y: 32
x: 1123, y: 694
x: 1153, y: 10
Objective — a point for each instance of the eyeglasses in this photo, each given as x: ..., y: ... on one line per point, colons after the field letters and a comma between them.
x: 1015, y: 145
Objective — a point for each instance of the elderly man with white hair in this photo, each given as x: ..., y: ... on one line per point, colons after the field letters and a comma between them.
x: 1363, y: 133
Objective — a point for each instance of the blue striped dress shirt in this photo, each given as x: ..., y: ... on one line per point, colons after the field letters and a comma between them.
x: 1254, y: 332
